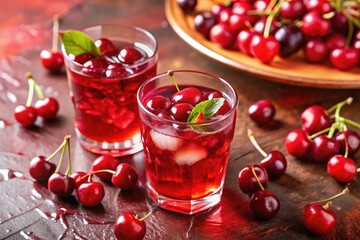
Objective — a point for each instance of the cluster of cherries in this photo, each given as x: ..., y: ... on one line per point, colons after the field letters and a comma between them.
x: 44, y: 107
x: 252, y: 179
x: 88, y: 192
x: 181, y: 104
x: 322, y: 29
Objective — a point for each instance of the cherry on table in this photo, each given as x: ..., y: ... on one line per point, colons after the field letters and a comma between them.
x: 349, y: 138
x: 128, y: 226
x: 90, y: 194
x: 247, y: 181
x: 323, y: 148
x: 61, y: 185
x: 104, y: 162
x: 52, y: 60
x: 297, y: 143
x: 125, y: 177
x: 41, y: 169
x: 262, y: 112
x: 342, y: 169
x: 264, y: 204
x: 315, y: 118
x: 275, y: 164
x: 25, y: 115
x: 47, y: 107
x: 319, y: 220
x: 80, y: 178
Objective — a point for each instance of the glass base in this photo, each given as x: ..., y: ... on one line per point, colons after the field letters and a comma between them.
x: 116, y: 149
x: 185, y: 206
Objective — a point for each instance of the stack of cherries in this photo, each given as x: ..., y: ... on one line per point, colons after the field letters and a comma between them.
x: 322, y: 29
x: 88, y: 192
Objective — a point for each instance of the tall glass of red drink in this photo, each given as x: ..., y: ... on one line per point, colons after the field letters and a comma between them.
x: 103, y: 89
x: 186, y: 161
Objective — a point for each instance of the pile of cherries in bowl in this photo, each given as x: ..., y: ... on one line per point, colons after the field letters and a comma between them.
x: 322, y: 30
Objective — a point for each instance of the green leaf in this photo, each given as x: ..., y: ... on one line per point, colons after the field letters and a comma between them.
x: 207, y: 107
x: 76, y: 42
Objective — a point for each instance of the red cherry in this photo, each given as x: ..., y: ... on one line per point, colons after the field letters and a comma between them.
x: 129, y: 55
x: 292, y: 9
x: 259, y: 26
x: 275, y: 164
x: 262, y: 112
x: 187, y: 5
x: 349, y: 138
x: 297, y: 143
x: 189, y: 95
x: 217, y: 8
x: 224, y: 16
x: 128, y: 227
x: 181, y: 111
x: 61, y: 185
x: 203, y: 22
x: 116, y: 71
x: 344, y: 58
x: 125, y: 177
x: 323, y: 148
x: 80, y: 178
x: 264, y: 204
x: 40, y: 169
x: 104, y: 162
x: 264, y: 49
x: 212, y: 95
x: 158, y: 103
x: 47, y: 107
x: 319, y: 6
x: 243, y: 40
x: 95, y: 68
x: 315, y: 51
x: 52, y: 60
x: 314, y: 119
x: 83, y: 58
x: 319, y: 220
x: 90, y: 194
x: 25, y: 115
x: 247, y: 181
x: 335, y: 41
x: 106, y: 46
x: 222, y: 35
x: 342, y: 169
x: 225, y: 108
x: 314, y: 25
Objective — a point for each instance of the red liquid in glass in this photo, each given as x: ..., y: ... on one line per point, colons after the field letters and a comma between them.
x: 182, y: 163
x: 106, y: 108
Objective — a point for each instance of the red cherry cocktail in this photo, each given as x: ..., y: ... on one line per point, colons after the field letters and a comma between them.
x: 103, y: 87
x: 187, y: 125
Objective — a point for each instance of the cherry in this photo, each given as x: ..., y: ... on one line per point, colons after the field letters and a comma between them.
x: 243, y: 40
x: 203, y: 22
x: 319, y: 6
x: 83, y: 58
x: 335, y: 41
x: 222, y: 35
x: 247, y: 181
x: 262, y: 112
x: 242, y: 7
x: 264, y: 49
x: 319, y: 220
x: 129, y: 55
x: 315, y: 118
x: 259, y: 26
x: 25, y: 115
x: 127, y: 226
x: 315, y: 51
x: 291, y: 39
x: 104, y: 162
x: 52, y: 59
x: 344, y: 58
x: 261, y: 4
x: 187, y: 5
x: 116, y: 71
x: 349, y: 138
x: 106, y: 46
x: 342, y: 169
x: 41, y: 169
x: 340, y: 23
x: 47, y: 107
x: 264, y: 204
x: 297, y: 143
x: 224, y: 16
x: 94, y: 67
x: 90, y: 194
x: 216, y: 9
x: 125, y: 177
x: 80, y: 178
x: 225, y: 108
x: 189, y: 95
x: 212, y: 95
x: 292, y: 10
x: 181, y: 111
x: 61, y: 185
x: 158, y: 103
x: 313, y: 25
x: 323, y: 148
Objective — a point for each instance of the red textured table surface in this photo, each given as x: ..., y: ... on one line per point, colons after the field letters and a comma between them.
x: 29, y: 211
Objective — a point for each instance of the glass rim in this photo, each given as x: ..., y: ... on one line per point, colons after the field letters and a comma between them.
x: 139, y: 29
x: 169, y: 121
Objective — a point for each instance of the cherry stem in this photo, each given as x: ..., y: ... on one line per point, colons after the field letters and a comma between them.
x: 62, y: 156
x: 55, y: 33
x: 327, y: 205
x: 270, y: 18
x: 170, y: 73
x: 56, y: 151
x: 38, y: 89
x: 30, y: 93
x: 253, y: 141
x: 345, y: 191
x: 256, y: 177
x: 350, y: 33
x: 332, y: 130
x: 144, y: 217
x: 68, y: 171
x: 346, y: 148
x: 348, y: 121
x: 347, y: 101
x: 325, y: 130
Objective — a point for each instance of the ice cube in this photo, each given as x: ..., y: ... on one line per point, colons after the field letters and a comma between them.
x: 190, y: 154
x: 165, y: 142
x: 123, y: 117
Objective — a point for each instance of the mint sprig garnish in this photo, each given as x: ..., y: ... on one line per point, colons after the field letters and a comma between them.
x: 77, y: 42
x: 208, y: 107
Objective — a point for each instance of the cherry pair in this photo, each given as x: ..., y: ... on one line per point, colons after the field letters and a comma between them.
x: 45, y: 107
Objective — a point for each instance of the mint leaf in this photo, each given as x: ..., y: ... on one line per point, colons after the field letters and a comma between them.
x: 207, y: 107
x: 76, y: 42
